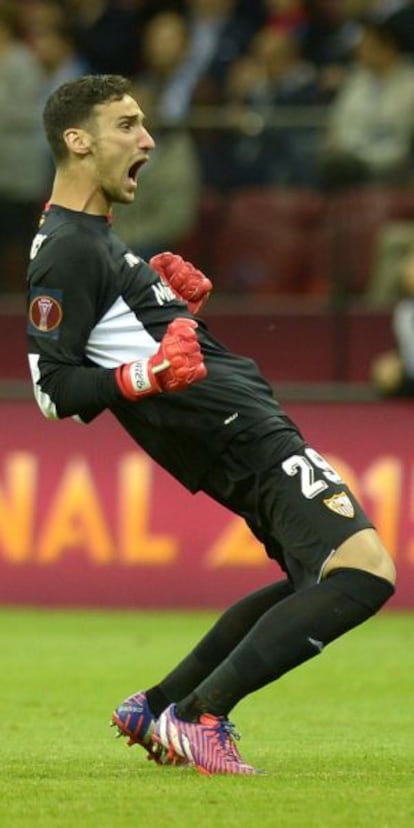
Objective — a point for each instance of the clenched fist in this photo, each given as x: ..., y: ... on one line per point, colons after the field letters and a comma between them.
x: 177, y: 364
x: 184, y: 279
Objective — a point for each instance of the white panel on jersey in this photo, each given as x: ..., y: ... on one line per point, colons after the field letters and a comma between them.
x: 43, y: 400
x: 119, y: 337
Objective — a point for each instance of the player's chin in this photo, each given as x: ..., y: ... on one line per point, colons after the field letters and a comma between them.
x: 126, y: 196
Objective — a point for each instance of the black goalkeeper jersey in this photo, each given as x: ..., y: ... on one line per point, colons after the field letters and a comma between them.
x: 93, y: 305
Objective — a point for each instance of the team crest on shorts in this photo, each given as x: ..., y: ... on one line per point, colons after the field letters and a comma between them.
x: 45, y: 312
x: 341, y: 504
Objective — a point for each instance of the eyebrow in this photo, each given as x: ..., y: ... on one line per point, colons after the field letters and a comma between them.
x: 132, y: 119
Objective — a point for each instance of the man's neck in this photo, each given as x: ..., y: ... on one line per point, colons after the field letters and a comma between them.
x: 82, y: 196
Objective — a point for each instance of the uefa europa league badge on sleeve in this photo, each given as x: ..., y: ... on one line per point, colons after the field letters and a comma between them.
x: 45, y: 312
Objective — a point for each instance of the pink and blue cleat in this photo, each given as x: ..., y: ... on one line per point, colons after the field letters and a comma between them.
x: 209, y: 745
x: 134, y: 720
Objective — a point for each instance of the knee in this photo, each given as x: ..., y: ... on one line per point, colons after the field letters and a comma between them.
x: 364, y: 551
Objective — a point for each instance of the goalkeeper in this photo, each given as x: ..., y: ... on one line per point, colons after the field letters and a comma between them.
x: 106, y: 330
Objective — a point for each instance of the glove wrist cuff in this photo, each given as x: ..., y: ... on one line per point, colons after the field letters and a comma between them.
x: 136, y: 379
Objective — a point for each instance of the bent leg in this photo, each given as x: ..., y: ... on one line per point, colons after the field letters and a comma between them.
x: 289, y: 634
x: 357, y: 579
x: 364, y: 551
x: 232, y: 626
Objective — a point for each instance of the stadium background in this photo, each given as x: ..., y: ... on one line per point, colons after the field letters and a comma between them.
x: 86, y: 519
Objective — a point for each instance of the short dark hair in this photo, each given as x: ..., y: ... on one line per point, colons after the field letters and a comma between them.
x: 72, y: 103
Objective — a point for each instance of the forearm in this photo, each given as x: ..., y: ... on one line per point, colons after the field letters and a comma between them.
x: 63, y: 390
x: 68, y: 391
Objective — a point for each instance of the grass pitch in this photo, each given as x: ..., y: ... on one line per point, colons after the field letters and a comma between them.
x: 335, y: 737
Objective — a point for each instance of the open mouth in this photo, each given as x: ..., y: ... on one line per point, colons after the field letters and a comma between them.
x: 134, y: 169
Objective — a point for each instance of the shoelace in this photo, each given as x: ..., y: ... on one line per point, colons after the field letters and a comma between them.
x: 229, y: 735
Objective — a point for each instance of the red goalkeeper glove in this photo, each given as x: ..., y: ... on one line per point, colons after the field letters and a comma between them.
x: 177, y: 364
x: 184, y: 279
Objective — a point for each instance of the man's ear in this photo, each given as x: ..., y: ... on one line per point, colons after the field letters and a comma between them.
x: 78, y: 141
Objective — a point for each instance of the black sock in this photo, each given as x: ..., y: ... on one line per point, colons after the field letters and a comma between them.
x: 216, y: 645
x: 288, y: 634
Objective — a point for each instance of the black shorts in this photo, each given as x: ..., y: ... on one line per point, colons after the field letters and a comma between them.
x: 293, y: 501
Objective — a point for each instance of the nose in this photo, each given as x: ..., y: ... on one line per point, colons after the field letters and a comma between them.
x: 146, y: 141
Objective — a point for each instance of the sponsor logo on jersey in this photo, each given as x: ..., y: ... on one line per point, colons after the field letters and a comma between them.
x: 36, y: 244
x: 163, y: 293
x: 231, y: 418
x: 341, y: 504
x: 131, y: 259
x: 45, y: 312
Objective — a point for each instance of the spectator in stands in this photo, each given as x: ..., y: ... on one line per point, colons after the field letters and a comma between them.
x: 392, y: 372
x: 55, y: 47
x: 273, y: 75
x: 39, y: 14
x: 220, y: 31
x: 287, y: 16
x: 165, y: 49
x: 21, y: 182
x: 394, y: 240
x: 287, y: 79
x: 399, y: 15
x: 107, y: 33
x: 170, y: 192
x: 328, y: 41
x: 371, y: 122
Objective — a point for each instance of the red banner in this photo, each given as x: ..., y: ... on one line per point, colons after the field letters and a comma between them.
x: 87, y: 519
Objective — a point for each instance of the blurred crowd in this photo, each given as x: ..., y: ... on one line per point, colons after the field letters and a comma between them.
x: 314, y: 95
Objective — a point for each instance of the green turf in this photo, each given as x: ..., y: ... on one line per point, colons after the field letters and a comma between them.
x: 336, y: 736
